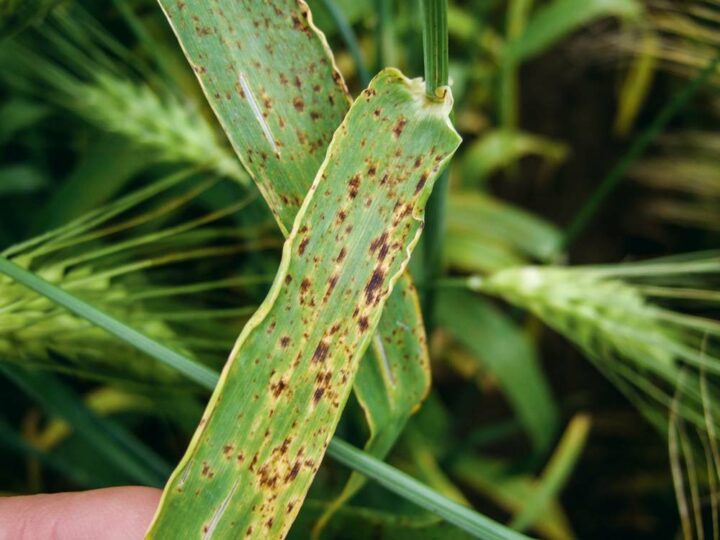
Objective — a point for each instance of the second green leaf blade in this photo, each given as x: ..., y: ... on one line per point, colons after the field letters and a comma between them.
x: 281, y: 394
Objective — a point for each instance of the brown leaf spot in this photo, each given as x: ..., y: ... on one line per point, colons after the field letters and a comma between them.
x: 399, y: 126
x: 278, y: 388
x: 378, y: 242
x: 292, y: 473
x: 421, y: 183
x: 354, y: 186
x: 317, y: 396
x: 321, y: 352
x: 303, y: 244
x: 363, y: 324
x: 299, y: 104
x: 331, y: 286
x: 373, y: 284
x: 285, y: 341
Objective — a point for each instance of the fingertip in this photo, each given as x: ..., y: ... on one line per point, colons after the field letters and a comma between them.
x: 114, y: 514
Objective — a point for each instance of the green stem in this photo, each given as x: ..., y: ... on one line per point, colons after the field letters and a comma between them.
x: 435, y: 45
x: 436, y: 60
x: 386, y: 475
x: 611, y: 181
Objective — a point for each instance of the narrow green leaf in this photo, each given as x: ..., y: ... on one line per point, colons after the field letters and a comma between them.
x: 501, y: 147
x: 356, y: 523
x: 480, y: 218
x: 495, y: 480
x: 506, y: 353
x: 395, y: 480
x: 289, y: 375
x: 556, y: 473
x: 555, y: 20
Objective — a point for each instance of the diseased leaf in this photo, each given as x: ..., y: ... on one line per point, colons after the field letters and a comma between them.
x: 391, y: 382
x: 283, y: 389
x: 272, y: 82
x: 270, y: 78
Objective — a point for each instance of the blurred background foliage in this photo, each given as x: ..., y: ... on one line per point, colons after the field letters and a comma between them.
x: 117, y: 183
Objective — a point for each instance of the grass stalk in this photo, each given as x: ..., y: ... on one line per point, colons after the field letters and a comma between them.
x: 436, y: 60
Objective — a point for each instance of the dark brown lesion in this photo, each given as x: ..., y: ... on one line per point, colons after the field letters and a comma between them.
x: 278, y: 388
x: 399, y: 126
x: 321, y: 352
x: 331, y: 286
x: 421, y: 183
x: 292, y: 473
x: 303, y: 245
x: 372, y: 288
x: 354, y: 186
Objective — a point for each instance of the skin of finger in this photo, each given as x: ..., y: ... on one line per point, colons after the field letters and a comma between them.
x: 110, y: 514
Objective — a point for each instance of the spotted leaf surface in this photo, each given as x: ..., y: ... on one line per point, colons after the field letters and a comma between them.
x: 391, y: 382
x: 271, y: 80
x: 283, y: 389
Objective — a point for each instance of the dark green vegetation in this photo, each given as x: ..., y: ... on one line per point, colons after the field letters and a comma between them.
x: 566, y: 272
